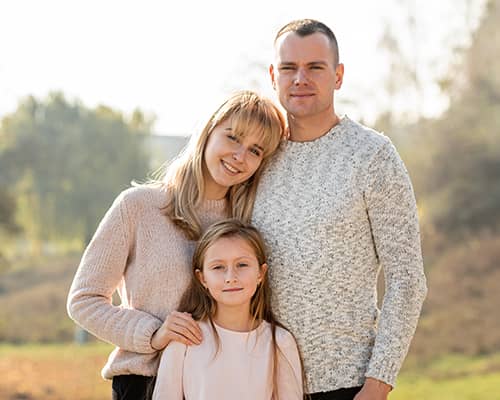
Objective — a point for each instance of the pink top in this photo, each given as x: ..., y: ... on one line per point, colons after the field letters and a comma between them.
x: 240, y: 370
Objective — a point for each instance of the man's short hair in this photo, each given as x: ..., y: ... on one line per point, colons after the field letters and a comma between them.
x: 306, y: 27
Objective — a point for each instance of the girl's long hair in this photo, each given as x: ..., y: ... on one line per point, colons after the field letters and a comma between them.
x: 197, y: 300
x: 249, y: 113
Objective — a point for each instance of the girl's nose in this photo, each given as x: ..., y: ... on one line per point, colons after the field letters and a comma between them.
x: 231, y: 276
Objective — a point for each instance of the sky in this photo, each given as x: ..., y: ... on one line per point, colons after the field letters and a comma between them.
x: 179, y: 60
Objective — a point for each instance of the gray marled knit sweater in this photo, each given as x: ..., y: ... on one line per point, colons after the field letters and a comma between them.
x: 333, y: 211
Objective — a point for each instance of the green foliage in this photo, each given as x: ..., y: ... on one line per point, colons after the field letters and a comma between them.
x: 7, y: 210
x: 65, y: 163
x: 454, y: 162
x: 462, y: 173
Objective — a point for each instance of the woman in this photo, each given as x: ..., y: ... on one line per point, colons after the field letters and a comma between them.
x: 143, y: 246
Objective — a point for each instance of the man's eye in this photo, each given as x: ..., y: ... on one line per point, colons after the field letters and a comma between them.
x: 287, y: 68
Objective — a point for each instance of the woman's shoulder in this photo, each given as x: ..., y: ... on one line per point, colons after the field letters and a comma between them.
x: 144, y: 196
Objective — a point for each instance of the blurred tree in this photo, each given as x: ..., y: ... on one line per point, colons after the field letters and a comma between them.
x: 66, y: 163
x: 7, y: 211
x: 463, y: 172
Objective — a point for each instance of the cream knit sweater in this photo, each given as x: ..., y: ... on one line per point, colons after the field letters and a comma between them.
x: 139, y: 252
x: 334, y: 211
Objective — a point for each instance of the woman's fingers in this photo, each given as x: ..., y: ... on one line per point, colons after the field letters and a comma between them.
x: 182, y: 324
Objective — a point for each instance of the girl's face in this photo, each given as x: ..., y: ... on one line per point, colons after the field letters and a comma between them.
x: 229, y: 160
x: 231, y: 273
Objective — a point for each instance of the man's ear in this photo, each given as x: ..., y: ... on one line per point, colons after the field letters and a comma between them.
x: 339, y: 76
x: 271, y: 73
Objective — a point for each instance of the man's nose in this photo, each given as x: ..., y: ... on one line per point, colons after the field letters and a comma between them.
x: 300, y: 77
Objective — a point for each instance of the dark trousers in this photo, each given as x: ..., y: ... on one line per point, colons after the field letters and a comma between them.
x: 133, y: 387
x: 339, y: 394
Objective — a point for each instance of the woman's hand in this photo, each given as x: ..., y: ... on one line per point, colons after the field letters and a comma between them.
x: 178, y: 326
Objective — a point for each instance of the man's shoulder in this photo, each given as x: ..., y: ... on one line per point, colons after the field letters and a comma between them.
x: 363, y: 137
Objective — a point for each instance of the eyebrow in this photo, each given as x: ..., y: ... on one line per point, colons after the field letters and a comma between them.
x: 290, y: 63
x: 254, y: 145
x: 220, y: 260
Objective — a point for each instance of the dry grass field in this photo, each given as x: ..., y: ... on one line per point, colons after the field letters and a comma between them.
x: 61, y: 372
x: 53, y: 372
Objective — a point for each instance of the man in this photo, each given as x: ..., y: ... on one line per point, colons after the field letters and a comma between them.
x: 335, y: 205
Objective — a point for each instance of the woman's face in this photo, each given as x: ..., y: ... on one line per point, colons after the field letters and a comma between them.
x: 229, y: 160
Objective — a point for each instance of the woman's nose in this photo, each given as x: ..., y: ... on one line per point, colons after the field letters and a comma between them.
x: 239, y: 154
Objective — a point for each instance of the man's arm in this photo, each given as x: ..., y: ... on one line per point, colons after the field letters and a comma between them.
x: 392, y: 212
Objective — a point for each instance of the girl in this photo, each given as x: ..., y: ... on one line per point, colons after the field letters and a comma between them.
x: 245, y: 353
x: 144, y: 244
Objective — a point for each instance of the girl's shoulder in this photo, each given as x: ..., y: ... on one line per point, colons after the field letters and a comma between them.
x: 283, y: 337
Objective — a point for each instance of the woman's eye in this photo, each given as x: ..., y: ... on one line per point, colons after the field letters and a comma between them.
x: 255, y: 152
x: 242, y: 265
x: 232, y: 138
x: 217, y: 267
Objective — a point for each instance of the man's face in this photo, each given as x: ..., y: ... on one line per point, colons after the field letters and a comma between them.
x: 305, y: 76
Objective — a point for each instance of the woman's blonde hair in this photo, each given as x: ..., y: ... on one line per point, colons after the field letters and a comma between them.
x: 249, y: 113
x: 198, y: 301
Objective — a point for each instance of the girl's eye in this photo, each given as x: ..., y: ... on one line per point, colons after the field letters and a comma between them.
x: 232, y: 138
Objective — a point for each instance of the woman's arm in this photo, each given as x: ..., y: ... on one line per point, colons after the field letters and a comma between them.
x: 100, y: 272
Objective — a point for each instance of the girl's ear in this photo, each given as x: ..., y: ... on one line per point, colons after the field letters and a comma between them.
x: 262, y: 272
x: 199, y: 275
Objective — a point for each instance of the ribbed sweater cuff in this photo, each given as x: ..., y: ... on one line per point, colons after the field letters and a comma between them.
x: 384, y: 370
x: 143, y: 334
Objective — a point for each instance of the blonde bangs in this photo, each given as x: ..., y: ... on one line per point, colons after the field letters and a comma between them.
x: 252, y: 114
x: 258, y: 122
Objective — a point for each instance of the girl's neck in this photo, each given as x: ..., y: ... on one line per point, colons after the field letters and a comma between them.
x: 234, y: 320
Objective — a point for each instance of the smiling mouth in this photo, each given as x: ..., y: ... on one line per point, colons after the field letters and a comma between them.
x: 230, y: 168
x: 302, y: 95
x: 233, y: 290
